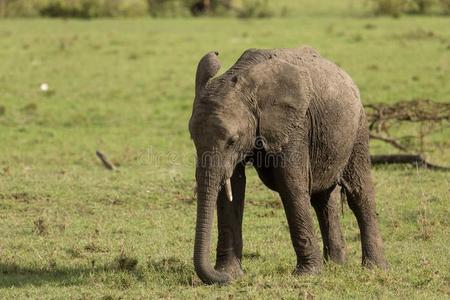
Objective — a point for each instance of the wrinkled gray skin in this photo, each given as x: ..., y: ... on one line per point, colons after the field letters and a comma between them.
x: 298, y: 118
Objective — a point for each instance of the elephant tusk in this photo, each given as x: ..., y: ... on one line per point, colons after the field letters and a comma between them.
x: 228, y: 190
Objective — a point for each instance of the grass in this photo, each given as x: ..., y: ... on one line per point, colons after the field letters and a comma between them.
x: 71, y: 229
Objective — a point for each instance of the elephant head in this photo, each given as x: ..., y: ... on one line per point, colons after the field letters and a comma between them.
x: 229, y: 113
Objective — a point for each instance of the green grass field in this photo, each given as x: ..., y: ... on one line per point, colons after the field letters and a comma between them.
x: 71, y: 229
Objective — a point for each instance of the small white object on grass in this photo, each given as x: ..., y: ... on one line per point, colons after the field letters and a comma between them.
x: 44, y: 87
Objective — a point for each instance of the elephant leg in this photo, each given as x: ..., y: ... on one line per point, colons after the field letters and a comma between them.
x: 293, y: 187
x: 327, y: 204
x: 229, y: 215
x: 359, y: 189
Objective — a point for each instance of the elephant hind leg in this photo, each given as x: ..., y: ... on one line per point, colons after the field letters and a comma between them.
x: 359, y: 189
x: 327, y: 207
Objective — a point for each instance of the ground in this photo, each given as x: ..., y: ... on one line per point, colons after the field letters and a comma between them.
x: 72, y: 229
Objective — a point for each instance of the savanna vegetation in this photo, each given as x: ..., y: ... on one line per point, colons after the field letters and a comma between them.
x: 87, y: 9
x: 70, y: 228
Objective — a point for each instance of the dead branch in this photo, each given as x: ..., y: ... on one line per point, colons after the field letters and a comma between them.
x: 417, y: 110
x: 391, y: 141
x: 413, y: 159
x: 106, y: 162
x: 382, y: 118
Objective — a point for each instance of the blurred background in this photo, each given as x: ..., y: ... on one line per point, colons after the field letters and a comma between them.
x: 237, y: 8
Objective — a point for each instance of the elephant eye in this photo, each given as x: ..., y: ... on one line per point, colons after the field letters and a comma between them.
x: 232, y: 140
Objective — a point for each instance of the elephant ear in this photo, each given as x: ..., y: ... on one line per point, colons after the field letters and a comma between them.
x: 283, y: 92
x: 208, y: 66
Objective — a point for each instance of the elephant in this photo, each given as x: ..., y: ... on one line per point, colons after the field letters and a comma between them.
x: 298, y: 119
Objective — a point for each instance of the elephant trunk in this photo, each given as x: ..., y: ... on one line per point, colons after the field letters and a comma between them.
x: 207, y: 192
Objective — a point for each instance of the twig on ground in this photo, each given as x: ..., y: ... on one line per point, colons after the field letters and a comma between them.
x: 106, y: 162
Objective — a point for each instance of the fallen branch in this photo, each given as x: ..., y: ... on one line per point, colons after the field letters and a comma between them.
x: 417, y: 110
x: 106, y: 162
x: 413, y: 159
x: 384, y: 118
x: 390, y: 141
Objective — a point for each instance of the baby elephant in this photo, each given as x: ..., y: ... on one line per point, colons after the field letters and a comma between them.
x: 298, y: 119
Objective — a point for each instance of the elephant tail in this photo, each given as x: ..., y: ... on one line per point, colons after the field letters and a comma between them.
x: 343, y: 194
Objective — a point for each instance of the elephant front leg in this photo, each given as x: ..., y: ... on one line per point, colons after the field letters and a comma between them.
x: 230, y: 214
x: 296, y: 201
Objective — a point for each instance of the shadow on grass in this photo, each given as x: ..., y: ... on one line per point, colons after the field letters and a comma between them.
x: 168, y: 271
x: 13, y: 275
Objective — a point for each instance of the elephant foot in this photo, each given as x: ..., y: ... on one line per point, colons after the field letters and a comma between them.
x: 230, y: 266
x: 308, y: 269
x: 375, y: 263
x: 337, y: 255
